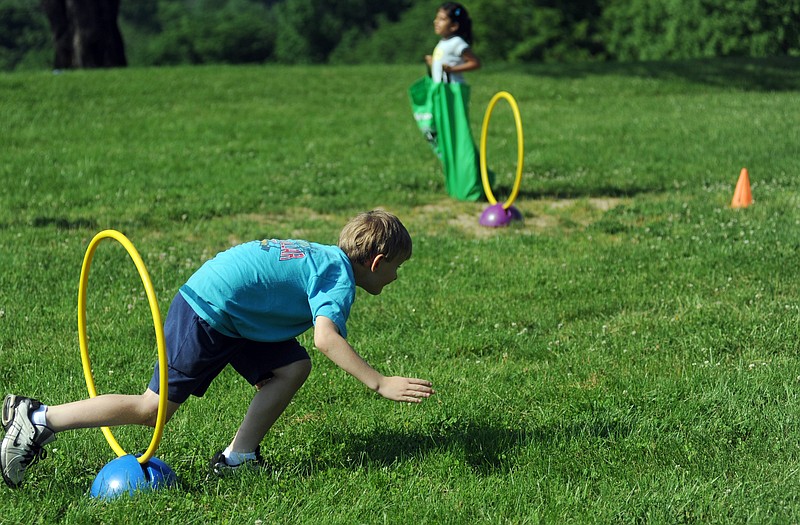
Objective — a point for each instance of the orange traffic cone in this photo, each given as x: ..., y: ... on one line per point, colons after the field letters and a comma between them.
x: 742, y: 198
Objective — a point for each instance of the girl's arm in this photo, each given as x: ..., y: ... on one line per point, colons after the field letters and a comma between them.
x: 471, y: 63
x: 338, y: 350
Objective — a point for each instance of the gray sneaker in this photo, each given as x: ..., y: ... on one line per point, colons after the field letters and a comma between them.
x: 220, y: 467
x: 23, y: 442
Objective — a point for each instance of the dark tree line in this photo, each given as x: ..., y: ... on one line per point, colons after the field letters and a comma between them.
x: 89, y: 33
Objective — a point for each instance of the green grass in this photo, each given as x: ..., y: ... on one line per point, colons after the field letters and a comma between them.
x: 628, y: 354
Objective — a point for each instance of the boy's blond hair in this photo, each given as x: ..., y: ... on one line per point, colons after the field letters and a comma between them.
x: 375, y: 232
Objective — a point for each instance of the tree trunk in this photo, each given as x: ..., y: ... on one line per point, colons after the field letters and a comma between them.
x: 85, y: 33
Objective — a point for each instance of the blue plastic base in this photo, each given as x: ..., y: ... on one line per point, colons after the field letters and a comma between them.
x: 124, y: 475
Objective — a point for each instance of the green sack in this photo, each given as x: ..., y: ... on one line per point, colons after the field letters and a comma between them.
x: 441, y: 112
x: 422, y: 107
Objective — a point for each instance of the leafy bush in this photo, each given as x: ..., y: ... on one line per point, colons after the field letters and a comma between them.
x: 309, y: 30
x: 237, y: 31
x: 541, y: 31
x: 24, y: 36
x: 664, y: 29
x: 504, y: 30
x: 403, y: 41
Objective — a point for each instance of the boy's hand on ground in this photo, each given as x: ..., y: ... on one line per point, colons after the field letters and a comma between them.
x: 405, y: 389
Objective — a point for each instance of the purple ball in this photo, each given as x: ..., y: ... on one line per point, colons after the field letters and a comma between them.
x: 496, y: 216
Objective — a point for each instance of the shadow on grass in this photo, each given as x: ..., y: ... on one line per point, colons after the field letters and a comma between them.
x: 62, y: 223
x: 751, y: 74
x: 484, y: 447
x: 604, y: 192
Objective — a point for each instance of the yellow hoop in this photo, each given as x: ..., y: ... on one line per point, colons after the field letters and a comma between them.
x: 162, y: 350
x: 520, y: 149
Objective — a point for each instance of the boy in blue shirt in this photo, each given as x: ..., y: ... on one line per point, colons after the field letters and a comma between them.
x: 245, y: 307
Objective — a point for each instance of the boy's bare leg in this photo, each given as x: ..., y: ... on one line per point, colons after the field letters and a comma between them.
x: 107, y: 410
x: 269, y: 403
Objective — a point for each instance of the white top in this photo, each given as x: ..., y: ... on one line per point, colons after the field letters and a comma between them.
x: 448, y: 51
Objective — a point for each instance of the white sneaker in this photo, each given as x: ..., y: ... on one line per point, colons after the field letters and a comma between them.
x: 219, y: 465
x: 23, y: 442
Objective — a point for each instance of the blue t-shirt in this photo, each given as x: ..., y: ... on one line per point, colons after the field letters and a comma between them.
x: 272, y: 290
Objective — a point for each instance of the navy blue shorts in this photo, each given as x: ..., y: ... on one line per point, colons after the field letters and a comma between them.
x: 197, y: 353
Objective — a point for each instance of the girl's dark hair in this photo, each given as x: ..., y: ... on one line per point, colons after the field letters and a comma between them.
x: 458, y: 14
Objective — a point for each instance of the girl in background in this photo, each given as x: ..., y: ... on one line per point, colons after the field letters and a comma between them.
x: 440, y: 102
x: 452, y: 55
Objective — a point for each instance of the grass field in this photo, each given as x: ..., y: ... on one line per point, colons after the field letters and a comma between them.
x: 628, y: 354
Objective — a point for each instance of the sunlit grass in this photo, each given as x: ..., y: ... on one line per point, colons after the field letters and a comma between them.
x: 627, y: 354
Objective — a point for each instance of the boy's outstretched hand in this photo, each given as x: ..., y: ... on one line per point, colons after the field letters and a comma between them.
x: 405, y: 389
x: 338, y: 350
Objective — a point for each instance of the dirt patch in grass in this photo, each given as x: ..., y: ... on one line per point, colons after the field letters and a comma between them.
x: 441, y: 217
x: 539, y: 216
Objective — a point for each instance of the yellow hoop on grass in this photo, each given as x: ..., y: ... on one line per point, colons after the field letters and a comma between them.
x: 520, y: 149
x: 159, y: 328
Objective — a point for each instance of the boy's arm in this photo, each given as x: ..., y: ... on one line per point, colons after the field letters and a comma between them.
x: 338, y: 350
